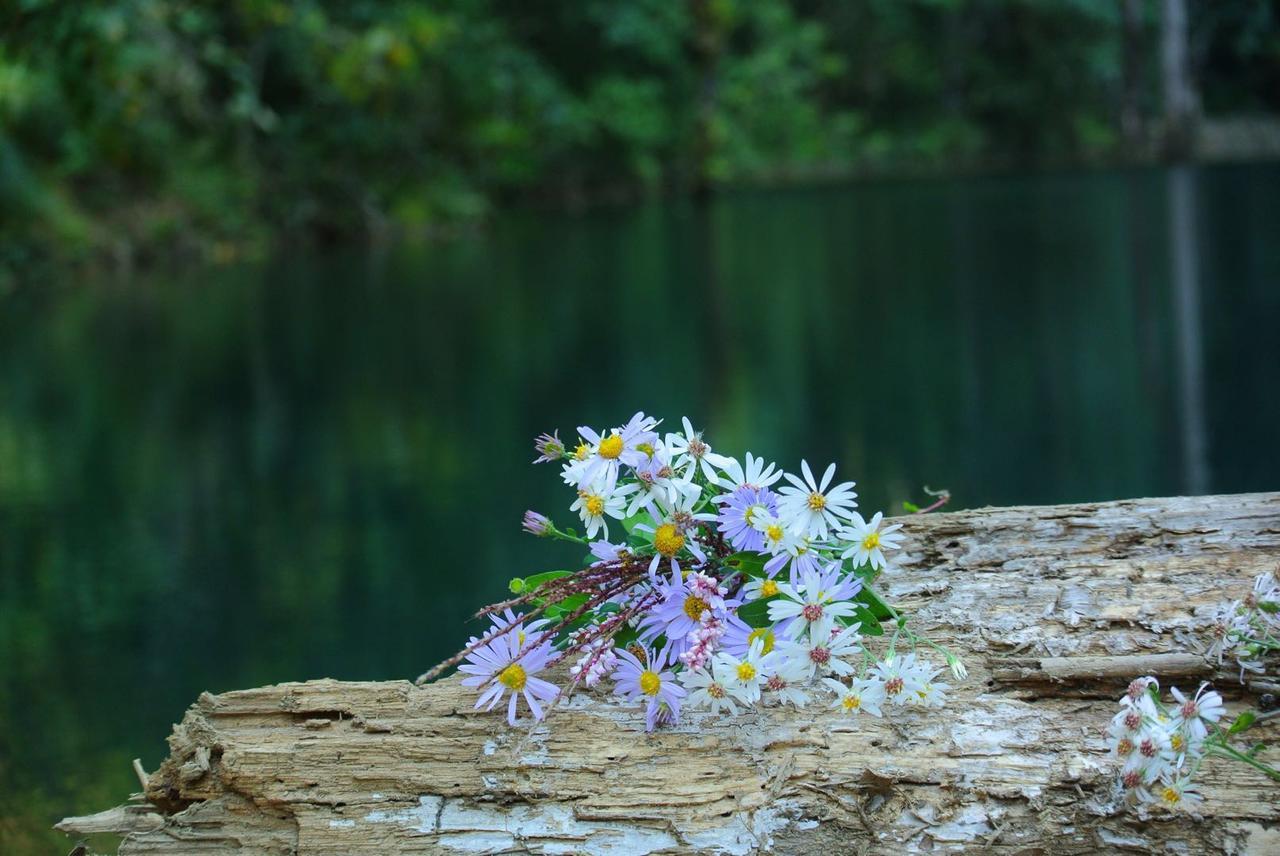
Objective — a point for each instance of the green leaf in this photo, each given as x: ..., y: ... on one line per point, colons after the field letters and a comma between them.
x: 1269, y: 606
x: 756, y: 612
x: 629, y: 523
x: 1242, y: 722
x: 748, y: 564
x: 564, y: 607
x: 910, y: 507
x: 872, y: 601
x: 545, y: 577
x: 863, y: 616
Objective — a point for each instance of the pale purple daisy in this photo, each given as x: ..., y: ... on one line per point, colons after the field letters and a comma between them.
x: 684, y: 599
x: 815, y: 601
x: 739, y: 636
x: 502, y: 665
x: 649, y: 681
x: 814, y: 508
x: 739, y: 512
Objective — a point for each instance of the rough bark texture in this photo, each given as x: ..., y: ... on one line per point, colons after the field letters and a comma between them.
x: 1016, y: 763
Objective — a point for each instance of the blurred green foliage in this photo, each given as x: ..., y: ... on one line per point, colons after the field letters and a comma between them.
x: 129, y: 127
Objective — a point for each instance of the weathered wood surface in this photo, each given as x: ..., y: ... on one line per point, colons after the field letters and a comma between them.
x: 1016, y: 763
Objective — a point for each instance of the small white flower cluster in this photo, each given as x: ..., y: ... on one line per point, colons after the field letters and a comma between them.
x: 1161, y: 748
x: 1249, y: 627
x: 793, y: 674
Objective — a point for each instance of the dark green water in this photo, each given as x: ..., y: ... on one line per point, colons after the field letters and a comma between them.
x: 317, y: 467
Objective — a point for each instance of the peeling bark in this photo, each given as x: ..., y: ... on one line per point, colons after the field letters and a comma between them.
x: 1016, y: 763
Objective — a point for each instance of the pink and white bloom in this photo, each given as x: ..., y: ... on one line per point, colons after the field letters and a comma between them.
x: 815, y: 602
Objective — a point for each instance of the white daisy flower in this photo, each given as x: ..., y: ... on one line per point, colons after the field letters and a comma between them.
x: 621, y: 446
x: 758, y: 473
x: 709, y: 688
x: 868, y: 540
x: 820, y: 655
x: 787, y: 681
x: 1172, y: 792
x: 778, y: 539
x: 864, y: 694
x: 814, y: 508
x: 746, y: 674
x: 1194, y: 712
x: 760, y: 587
x: 595, y: 502
x: 900, y: 684
x: 932, y: 692
x: 690, y: 451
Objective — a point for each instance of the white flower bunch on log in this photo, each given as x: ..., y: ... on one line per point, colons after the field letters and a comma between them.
x: 1161, y: 744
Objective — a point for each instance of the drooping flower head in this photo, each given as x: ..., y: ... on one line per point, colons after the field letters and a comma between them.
x: 548, y: 447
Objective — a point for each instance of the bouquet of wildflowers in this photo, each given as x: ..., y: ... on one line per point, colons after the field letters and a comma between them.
x: 712, y: 582
x: 1161, y: 745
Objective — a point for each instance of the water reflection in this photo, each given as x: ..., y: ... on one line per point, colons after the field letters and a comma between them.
x: 317, y: 467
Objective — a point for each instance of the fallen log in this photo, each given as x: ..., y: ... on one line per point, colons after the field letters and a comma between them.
x: 1054, y: 609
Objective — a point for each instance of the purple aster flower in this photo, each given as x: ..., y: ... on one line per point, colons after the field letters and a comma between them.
x: 502, y: 665
x: 739, y: 635
x: 684, y: 599
x: 738, y: 513
x: 649, y: 681
x: 606, y: 552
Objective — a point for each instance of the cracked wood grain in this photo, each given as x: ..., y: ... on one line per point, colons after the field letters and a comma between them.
x: 1053, y: 608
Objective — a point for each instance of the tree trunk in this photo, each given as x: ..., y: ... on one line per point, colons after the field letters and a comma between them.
x: 1054, y: 609
x: 1180, y: 102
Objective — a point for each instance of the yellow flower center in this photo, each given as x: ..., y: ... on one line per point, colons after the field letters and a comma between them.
x: 611, y: 446
x: 694, y: 606
x: 668, y: 540
x: 817, y: 501
x: 768, y: 588
x: 765, y: 635
x: 513, y: 677
x: 871, y: 541
x: 1177, y: 742
x: 650, y: 683
x: 647, y: 448
x: 749, y: 514
x: 746, y: 671
x: 580, y: 453
x: 594, y: 504
x: 1171, y: 796
x: 852, y: 702
x: 773, y: 532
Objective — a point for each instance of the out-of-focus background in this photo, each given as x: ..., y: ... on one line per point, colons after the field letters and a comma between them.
x: 286, y: 289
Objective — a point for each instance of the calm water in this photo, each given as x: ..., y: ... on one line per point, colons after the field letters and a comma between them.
x: 317, y: 467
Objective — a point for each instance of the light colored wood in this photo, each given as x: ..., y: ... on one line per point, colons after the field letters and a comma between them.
x: 1016, y: 763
